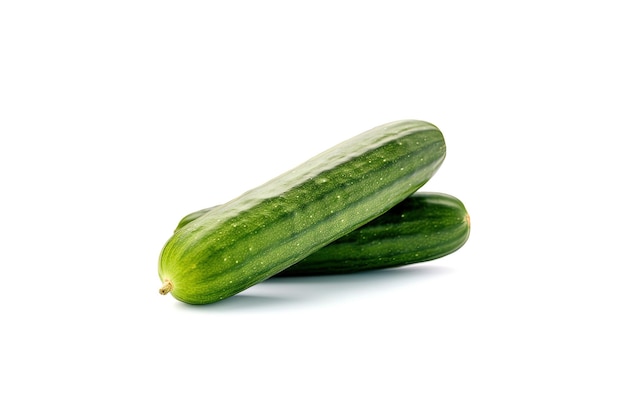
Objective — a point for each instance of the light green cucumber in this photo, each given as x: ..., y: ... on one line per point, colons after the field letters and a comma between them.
x: 271, y: 227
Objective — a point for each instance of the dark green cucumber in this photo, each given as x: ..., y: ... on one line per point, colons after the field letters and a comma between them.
x: 279, y: 223
x: 423, y: 227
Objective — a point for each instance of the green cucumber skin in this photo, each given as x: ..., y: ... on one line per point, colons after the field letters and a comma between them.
x: 424, y: 227
x: 271, y: 227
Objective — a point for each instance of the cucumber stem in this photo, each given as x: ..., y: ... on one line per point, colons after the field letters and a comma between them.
x: 167, y: 287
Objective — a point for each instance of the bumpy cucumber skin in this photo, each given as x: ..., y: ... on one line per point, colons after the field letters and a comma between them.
x: 424, y: 227
x: 277, y: 224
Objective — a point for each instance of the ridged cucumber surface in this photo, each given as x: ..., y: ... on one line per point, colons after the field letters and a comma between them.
x: 423, y: 227
x: 279, y: 223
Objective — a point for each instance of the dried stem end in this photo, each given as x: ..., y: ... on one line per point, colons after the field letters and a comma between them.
x: 167, y: 287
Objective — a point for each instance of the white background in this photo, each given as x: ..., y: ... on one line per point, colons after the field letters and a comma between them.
x: 119, y: 117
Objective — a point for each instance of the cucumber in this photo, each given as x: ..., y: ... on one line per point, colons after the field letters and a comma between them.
x: 271, y: 227
x: 423, y: 227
